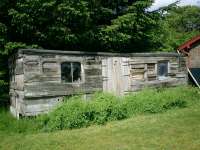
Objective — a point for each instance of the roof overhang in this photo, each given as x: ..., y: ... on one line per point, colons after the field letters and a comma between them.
x: 184, y: 48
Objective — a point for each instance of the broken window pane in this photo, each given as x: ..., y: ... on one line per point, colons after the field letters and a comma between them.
x: 76, y: 69
x: 163, y: 69
x: 66, y: 72
x: 71, y: 72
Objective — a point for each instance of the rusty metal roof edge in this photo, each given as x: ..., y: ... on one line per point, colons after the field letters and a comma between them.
x: 189, y: 43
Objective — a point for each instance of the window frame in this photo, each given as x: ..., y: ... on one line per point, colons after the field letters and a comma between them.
x: 163, y: 77
x: 81, y: 73
x: 148, y: 71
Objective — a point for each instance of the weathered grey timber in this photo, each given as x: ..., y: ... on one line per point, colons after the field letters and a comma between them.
x: 193, y: 60
x: 39, y: 79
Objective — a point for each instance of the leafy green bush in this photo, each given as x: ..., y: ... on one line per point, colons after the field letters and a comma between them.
x: 69, y: 115
x: 159, y: 100
x: 76, y: 113
x: 104, y: 107
x: 174, y: 104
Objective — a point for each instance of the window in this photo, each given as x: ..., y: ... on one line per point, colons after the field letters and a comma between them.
x: 71, y: 72
x: 162, y: 69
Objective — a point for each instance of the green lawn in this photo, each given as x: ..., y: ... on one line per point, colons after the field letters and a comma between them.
x: 175, y: 129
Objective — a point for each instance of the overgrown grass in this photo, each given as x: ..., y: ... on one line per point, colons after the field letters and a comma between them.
x: 100, y: 109
x: 177, y: 129
x: 10, y: 125
x: 104, y: 107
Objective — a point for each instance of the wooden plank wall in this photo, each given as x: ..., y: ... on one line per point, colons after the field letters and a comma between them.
x: 43, y: 87
x: 143, y: 72
x: 194, y: 57
x: 43, y: 76
x: 16, y: 92
x: 36, y: 86
x: 129, y: 74
x: 115, y: 71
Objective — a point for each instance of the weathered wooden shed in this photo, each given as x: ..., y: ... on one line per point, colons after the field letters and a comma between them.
x: 191, y: 49
x: 39, y: 79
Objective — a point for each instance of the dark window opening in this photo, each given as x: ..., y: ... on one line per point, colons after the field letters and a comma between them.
x: 71, y: 72
x: 162, y: 69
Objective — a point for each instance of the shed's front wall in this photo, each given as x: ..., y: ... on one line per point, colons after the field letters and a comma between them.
x: 43, y: 87
x: 43, y: 76
x: 129, y: 74
x: 40, y: 85
x: 144, y: 72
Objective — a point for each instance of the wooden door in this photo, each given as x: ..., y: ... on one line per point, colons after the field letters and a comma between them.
x: 115, y: 71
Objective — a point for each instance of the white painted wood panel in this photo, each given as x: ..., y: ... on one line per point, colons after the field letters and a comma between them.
x: 116, y: 74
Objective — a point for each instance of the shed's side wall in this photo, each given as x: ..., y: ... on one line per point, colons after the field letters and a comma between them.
x: 16, y: 92
x: 194, y: 57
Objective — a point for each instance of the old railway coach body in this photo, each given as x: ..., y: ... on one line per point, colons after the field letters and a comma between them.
x: 39, y: 79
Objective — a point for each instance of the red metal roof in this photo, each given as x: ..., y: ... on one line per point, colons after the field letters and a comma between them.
x: 187, y: 45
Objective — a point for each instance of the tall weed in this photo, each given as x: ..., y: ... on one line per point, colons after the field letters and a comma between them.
x: 76, y: 112
x: 103, y: 107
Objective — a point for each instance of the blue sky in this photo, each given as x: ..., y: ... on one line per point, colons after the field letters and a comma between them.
x: 160, y: 3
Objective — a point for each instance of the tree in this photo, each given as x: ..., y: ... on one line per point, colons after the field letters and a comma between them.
x: 133, y: 31
x: 3, y: 64
x: 85, y: 25
x: 89, y: 25
x: 179, y: 25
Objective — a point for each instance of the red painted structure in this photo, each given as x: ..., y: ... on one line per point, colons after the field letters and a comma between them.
x: 192, y: 50
x: 185, y: 48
